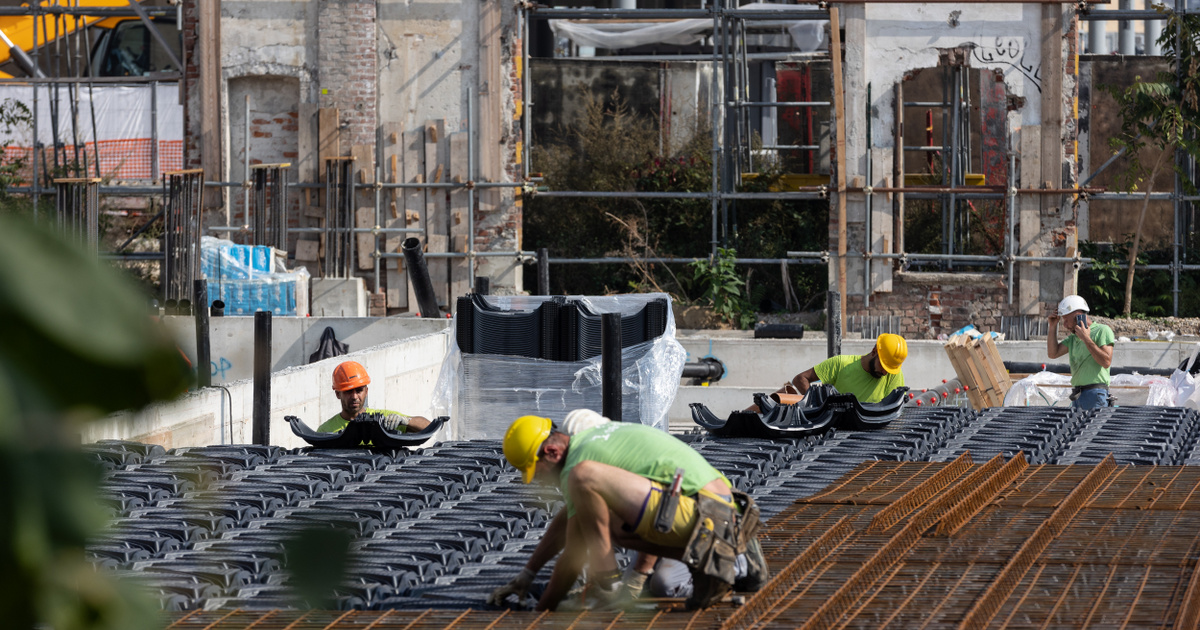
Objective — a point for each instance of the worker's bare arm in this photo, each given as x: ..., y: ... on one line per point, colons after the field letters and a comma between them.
x: 1054, y: 349
x: 551, y: 543
x: 567, y: 569
x: 418, y: 423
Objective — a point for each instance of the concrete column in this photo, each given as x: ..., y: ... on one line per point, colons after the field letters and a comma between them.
x: 1125, y: 42
x: 1153, y: 31
x: 1097, y: 38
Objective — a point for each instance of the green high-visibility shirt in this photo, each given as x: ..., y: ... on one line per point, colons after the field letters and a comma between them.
x: 845, y: 372
x: 1084, y: 369
x: 337, y: 422
x: 641, y: 450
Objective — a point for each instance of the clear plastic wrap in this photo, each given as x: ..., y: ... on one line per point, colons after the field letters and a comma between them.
x: 484, y: 393
x: 250, y: 279
x: 1050, y: 389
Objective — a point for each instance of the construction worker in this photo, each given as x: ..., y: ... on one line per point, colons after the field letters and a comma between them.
x: 870, y: 377
x: 1090, y: 347
x: 616, y: 481
x: 350, y: 382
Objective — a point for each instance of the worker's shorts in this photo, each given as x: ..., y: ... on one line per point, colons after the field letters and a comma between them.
x: 681, y: 526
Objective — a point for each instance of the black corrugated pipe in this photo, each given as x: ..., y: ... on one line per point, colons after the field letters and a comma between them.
x: 610, y: 365
x: 418, y: 275
x: 203, y: 353
x: 482, y: 285
x: 1028, y: 367
x: 706, y: 369
x: 261, y: 421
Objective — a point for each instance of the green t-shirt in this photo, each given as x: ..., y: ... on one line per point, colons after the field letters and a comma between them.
x: 1084, y: 369
x: 846, y: 373
x: 337, y: 422
x: 641, y: 450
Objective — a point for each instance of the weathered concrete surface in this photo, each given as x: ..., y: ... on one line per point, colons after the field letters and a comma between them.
x: 403, y: 374
x: 294, y: 339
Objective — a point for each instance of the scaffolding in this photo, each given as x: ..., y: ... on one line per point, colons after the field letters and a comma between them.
x: 181, y: 241
x: 731, y: 151
x: 77, y: 205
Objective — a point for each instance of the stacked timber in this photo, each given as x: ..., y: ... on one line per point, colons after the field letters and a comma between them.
x: 978, y: 365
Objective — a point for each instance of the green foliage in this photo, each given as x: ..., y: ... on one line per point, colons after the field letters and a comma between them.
x: 1163, y: 113
x: 1102, y: 284
x: 77, y: 344
x: 13, y: 115
x: 611, y: 150
x: 717, y: 278
x: 317, y: 559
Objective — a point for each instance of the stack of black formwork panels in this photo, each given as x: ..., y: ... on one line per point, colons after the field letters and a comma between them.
x: 1041, y: 432
x: 440, y: 527
x: 1142, y: 436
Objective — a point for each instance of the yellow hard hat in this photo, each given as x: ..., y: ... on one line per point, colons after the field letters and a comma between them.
x: 522, y: 442
x: 892, y: 350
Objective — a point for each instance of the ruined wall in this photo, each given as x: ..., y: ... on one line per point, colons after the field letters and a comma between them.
x: 382, y: 64
x: 883, y: 44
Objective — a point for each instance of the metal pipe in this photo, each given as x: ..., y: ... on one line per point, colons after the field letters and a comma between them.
x: 610, y: 365
x: 766, y: 104
x: 898, y: 167
x: 378, y: 202
x: 1032, y: 367
x: 245, y: 164
x: 472, y: 165
x: 418, y: 276
x: 714, y: 118
x: 203, y: 345
x: 1125, y: 36
x: 833, y: 324
x: 543, y: 271
x: 1121, y: 14
x: 1010, y: 233
x: 261, y: 429
x: 868, y: 237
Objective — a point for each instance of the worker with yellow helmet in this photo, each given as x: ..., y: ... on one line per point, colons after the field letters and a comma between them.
x: 350, y: 382
x: 617, y: 481
x: 870, y: 377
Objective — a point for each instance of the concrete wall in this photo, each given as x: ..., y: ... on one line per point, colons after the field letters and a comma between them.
x: 762, y: 366
x: 403, y: 375
x: 294, y: 339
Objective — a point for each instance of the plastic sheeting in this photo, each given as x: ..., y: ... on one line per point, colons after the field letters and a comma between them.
x: 484, y: 393
x: 246, y: 279
x: 1036, y: 390
x: 807, y: 35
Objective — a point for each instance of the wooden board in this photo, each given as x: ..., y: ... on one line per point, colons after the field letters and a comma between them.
x: 460, y: 268
x: 306, y: 164
x: 965, y: 370
x: 364, y: 199
x: 393, y: 215
x: 364, y: 244
x: 328, y: 137
x: 437, y: 223
x: 413, y: 159
x: 839, y: 110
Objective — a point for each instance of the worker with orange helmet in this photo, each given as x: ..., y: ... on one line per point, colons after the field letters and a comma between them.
x: 350, y: 382
x: 870, y: 377
x: 637, y: 487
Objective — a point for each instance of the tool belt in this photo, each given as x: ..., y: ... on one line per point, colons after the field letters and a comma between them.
x: 1076, y: 391
x: 721, y: 533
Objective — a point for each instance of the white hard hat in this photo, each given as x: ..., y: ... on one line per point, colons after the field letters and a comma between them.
x: 1072, y: 303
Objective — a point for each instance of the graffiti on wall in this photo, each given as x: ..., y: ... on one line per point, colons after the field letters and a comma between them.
x: 1011, y: 52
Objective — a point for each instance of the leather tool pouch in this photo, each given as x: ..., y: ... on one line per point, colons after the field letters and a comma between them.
x: 711, y: 551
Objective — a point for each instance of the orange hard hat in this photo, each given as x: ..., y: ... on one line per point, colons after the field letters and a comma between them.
x: 350, y: 375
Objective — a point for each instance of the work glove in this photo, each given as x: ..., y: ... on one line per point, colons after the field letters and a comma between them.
x: 393, y: 421
x: 519, y: 586
x: 633, y: 584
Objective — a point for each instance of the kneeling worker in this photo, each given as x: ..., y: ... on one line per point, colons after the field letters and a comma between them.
x: 1091, y: 350
x: 350, y: 382
x: 870, y: 377
x: 615, y: 480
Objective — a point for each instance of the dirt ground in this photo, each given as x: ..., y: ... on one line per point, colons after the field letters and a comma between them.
x: 1153, y: 328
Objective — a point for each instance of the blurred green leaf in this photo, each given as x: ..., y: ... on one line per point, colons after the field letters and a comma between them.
x: 317, y: 559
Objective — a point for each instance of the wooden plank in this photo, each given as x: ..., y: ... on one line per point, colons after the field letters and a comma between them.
x: 839, y: 112
x: 208, y: 65
x: 996, y: 366
x: 328, y: 137
x: 986, y: 382
x: 413, y: 159
x: 460, y: 268
x: 364, y: 199
x: 306, y: 163
x: 964, y: 374
x: 437, y: 221
x: 364, y: 244
x: 393, y: 201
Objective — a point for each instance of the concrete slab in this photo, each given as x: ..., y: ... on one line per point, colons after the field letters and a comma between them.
x: 339, y: 297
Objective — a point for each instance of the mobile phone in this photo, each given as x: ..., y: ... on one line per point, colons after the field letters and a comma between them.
x: 1081, y: 320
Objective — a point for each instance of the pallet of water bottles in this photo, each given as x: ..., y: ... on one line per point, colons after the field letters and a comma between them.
x: 252, y: 278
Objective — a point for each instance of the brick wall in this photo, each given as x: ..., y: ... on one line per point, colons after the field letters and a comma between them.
x: 346, y: 66
x: 928, y: 305
x: 191, y: 81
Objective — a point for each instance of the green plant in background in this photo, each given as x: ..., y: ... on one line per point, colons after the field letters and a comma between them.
x: 717, y: 277
x: 1163, y: 114
x: 77, y: 344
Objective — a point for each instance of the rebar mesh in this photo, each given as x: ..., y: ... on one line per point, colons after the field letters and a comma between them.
x: 77, y: 207
x: 270, y: 219
x: 183, y: 191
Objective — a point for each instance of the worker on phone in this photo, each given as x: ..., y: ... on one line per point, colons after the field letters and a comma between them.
x: 1090, y: 347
